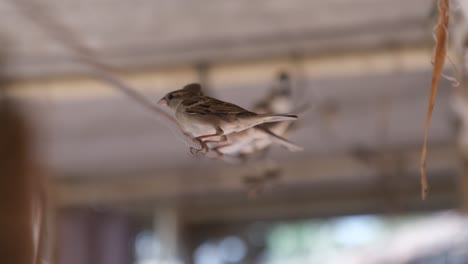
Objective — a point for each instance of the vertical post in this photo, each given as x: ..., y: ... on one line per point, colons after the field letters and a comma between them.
x: 17, y: 224
x: 458, y: 46
x: 166, y: 225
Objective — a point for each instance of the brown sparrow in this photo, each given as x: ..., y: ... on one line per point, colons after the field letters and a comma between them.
x: 205, y: 117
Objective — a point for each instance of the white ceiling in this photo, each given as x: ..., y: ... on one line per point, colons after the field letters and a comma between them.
x: 161, y: 33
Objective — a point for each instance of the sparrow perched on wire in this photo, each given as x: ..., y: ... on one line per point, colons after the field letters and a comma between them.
x: 204, y: 117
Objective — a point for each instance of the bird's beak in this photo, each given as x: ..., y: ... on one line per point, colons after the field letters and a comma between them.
x: 162, y: 101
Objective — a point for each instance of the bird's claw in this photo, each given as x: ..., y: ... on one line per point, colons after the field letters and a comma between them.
x: 195, y: 151
x: 202, y: 150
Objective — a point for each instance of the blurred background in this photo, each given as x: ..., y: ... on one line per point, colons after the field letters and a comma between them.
x: 121, y: 189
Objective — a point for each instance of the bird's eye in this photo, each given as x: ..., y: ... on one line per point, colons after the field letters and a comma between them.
x: 170, y: 96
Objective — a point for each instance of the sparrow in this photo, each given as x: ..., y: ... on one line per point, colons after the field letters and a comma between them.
x: 204, y: 117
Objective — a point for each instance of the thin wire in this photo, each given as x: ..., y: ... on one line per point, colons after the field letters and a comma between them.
x: 103, y: 72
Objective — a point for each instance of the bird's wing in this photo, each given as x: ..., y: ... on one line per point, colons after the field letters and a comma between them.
x: 210, y: 106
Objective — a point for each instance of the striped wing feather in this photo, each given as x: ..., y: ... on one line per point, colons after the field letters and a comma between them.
x: 204, y: 105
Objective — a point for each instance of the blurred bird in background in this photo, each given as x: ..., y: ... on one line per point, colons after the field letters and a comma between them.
x: 266, y: 173
x: 253, y: 143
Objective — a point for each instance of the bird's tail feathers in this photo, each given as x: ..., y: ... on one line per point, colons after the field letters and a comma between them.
x: 270, y: 118
x: 283, y: 142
